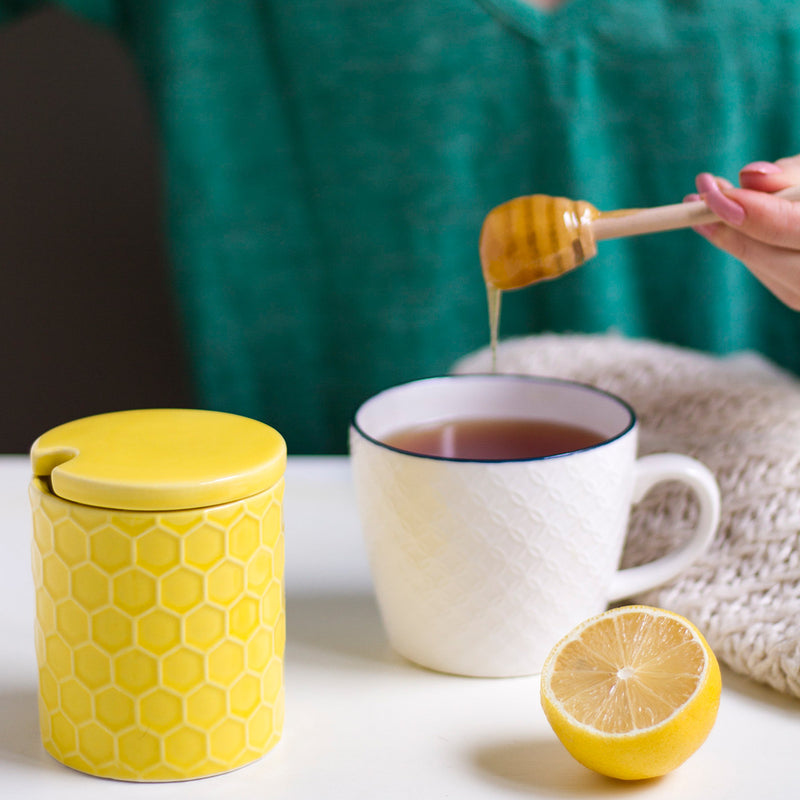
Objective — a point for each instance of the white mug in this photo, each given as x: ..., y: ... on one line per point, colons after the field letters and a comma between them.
x: 480, y: 566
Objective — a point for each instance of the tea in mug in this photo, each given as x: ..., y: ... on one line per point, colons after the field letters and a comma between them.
x: 493, y: 439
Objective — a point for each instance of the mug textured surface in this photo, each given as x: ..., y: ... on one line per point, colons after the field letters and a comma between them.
x: 493, y: 599
x: 481, y: 566
x: 159, y: 637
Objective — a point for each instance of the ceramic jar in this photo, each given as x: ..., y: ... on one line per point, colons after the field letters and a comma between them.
x: 158, y: 560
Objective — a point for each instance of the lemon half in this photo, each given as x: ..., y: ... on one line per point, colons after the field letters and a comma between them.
x: 632, y: 692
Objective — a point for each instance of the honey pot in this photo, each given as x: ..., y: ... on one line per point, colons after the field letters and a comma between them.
x: 158, y: 560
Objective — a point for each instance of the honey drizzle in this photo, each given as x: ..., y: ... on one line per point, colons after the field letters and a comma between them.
x: 530, y: 239
x: 494, y: 296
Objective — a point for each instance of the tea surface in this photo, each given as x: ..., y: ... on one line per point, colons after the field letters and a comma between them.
x: 494, y: 439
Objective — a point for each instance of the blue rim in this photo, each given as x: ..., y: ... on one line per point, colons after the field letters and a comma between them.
x: 498, y: 376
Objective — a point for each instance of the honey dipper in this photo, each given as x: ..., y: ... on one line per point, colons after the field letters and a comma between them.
x: 537, y: 237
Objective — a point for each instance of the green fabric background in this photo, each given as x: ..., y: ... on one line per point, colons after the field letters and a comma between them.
x: 329, y: 163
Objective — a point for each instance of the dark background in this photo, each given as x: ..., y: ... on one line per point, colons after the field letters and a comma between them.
x: 87, y: 323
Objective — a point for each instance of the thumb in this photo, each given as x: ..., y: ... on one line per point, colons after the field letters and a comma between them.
x: 769, y: 176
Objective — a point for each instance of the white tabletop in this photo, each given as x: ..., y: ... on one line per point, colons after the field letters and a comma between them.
x: 360, y: 721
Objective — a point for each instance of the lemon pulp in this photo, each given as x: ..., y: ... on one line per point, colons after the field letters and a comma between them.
x: 633, y: 692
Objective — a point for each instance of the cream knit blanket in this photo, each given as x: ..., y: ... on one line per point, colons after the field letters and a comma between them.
x: 741, y: 417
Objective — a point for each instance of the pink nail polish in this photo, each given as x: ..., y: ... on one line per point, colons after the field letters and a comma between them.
x: 760, y: 168
x: 706, y: 183
x: 691, y: 198
x: 726, y: 209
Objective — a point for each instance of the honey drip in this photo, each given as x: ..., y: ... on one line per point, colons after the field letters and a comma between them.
x: 530, y: 239
x: 494, y: 297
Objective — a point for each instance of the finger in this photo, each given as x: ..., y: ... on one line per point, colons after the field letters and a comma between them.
x: 763, y: 216
x: 768, y: 176
x: 701, y: 229
x: 777, y: 268
x: 706, y: 182
x: 763, y: 176
x: 710, y: 188
x: 766, y: 217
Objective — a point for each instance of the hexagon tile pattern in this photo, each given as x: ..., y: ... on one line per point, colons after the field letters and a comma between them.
x: 480, y: 568
x: 159, y: 636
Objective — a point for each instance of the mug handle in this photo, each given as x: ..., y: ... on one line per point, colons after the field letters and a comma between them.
x: 654, y: 469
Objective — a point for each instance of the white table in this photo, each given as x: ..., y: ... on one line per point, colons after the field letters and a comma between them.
x: 360, y: 721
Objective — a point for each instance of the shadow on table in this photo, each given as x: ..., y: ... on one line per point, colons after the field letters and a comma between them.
x: 346, y: 626
x: 543, y: 765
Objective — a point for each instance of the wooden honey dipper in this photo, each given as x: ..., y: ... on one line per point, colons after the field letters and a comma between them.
x: 538, y: 237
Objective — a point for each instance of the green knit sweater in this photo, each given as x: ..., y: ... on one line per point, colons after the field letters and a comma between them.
x: 328, y: 164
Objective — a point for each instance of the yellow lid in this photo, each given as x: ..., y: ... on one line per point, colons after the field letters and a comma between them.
x: 159, y: 459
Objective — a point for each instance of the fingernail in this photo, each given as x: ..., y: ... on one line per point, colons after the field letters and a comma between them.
x: 724, y: 207
x: 705, y: 182
x: 760, y: 168
x: 704, y: 230
x: 691, y: 198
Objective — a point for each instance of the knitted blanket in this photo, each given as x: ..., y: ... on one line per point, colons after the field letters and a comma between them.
x: 741, y: 417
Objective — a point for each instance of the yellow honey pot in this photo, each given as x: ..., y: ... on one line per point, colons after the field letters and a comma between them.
x: 158, y: 560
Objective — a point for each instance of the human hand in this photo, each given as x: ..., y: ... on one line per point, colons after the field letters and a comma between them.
x: 761, y: 230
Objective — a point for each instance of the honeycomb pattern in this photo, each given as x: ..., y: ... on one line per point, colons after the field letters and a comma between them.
x: 510, y: 555
x: 159, y: 636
